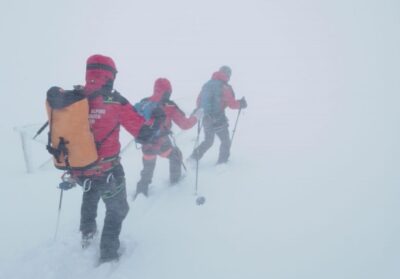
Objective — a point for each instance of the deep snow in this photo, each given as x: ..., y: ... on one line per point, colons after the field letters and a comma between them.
x: 312, y: 188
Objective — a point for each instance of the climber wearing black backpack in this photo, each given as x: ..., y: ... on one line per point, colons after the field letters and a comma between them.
x: 215, y: 96
x: 161, y: 112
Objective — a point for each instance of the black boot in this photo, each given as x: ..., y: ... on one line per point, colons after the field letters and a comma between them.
x: 87, y: 239
x: 142, y: 188
x: 222, y: 161
x: 175, y: 166
x: 145, y: 177
x: 108, y: 259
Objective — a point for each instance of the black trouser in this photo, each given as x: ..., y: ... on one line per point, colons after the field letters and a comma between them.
x: 212, y: 128
x: 113, y: 194
x: 150, y: 153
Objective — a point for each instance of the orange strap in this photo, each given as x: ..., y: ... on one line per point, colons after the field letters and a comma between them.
x: 149, y: 157
x: 164, y: 154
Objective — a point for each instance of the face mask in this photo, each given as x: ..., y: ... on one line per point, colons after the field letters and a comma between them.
x: 165, y: 97
x: 109, y: 84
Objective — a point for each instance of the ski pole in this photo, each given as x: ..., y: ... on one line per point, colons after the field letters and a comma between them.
x: 127, y: 146
x: 180, y: 152
x: 234, y: 129
x: 58, y: 215
x: 41, y: 129
x: 200, y: 200
x: 197, y: 156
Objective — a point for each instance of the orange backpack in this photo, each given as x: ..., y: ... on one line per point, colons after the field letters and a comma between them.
x: 70, y: 140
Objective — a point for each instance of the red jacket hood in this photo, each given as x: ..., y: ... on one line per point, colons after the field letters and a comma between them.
x: 100, y: 70
x: 161, y: 87
x: 220, y: 76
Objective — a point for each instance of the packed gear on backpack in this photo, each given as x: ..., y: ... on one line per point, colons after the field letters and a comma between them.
x: 146, y: 107
x: 70, y: 140
x: 211, y: 97
x: 154, y: 115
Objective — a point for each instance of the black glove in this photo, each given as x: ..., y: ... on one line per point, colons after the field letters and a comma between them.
x: 68, y: 182
x: 66, y: 185
x: 243, y: 103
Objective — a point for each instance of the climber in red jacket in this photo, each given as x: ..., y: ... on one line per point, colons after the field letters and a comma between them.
x: 165, y: 112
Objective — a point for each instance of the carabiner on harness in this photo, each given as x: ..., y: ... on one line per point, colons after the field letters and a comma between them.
x: 87, y: 185
x: 112, y: 187
x: 109, y: 178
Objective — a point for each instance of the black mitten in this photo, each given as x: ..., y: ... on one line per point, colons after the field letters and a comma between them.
x: 243, y: 103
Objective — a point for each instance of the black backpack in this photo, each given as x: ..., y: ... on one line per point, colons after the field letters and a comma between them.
x: 150, y: 110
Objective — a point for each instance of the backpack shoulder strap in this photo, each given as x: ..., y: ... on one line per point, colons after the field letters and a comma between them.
x: 173, y: 104
x: 114, y: 97
x: 100, y: 143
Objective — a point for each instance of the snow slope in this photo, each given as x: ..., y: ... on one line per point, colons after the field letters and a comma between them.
x: 311, y: 190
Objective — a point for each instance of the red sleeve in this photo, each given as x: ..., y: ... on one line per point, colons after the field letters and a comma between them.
x: 228, y: 98
x: 180, y: 119
x: 130, y: 119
